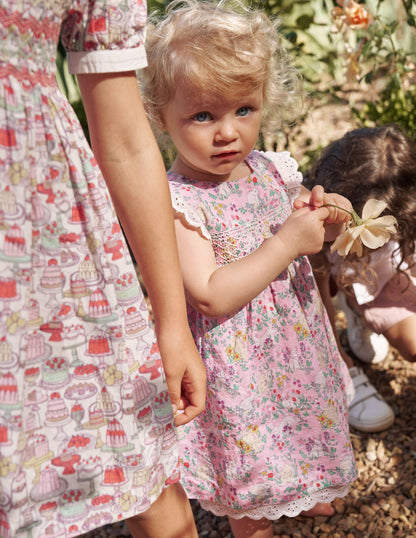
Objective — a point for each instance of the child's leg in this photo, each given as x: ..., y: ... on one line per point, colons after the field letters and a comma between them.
x: 402, y: 336
x: 251, y: 528
x: 320, y: 509
x: 170, y: 516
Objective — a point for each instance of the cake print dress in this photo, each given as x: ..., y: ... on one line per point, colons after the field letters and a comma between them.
x: 274, y: 437
x: 86, y: 427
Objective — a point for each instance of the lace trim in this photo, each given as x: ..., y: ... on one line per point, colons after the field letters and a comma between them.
x: 290, y: 509
x: 288, y: 170
x: 194, y: 218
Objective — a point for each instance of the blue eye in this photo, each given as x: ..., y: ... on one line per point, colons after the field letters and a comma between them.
x: 202, y: 116
x: 243, y: 111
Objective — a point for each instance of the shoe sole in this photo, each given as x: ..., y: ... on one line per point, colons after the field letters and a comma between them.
x: 374, y: 428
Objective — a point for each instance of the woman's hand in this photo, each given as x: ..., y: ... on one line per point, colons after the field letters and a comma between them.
x: 185, y: 375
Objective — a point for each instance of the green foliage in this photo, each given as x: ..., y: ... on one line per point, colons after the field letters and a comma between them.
x: 379, y: 59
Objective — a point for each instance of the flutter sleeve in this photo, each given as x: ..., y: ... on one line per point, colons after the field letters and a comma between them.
x: 190, y: 209
x: 106, y: 36
x: 288, y: 170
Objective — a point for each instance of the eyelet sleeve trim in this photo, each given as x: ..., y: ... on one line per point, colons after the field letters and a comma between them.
x: 194, y: 217
x: 288, y: 170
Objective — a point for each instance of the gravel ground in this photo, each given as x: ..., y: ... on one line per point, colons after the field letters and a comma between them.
x: 382, y: 501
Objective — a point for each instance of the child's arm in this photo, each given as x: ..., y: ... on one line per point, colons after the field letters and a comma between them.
x: 337, y: 218
x: 218, y: 291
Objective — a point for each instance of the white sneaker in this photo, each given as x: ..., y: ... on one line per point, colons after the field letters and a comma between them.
x: 368, y: 411
x: 365, y: 344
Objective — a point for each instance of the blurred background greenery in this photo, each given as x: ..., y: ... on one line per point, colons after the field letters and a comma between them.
x: 358, y: 57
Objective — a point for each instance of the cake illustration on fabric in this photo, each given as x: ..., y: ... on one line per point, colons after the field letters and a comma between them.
x: 37, y: 446
x: 19, y: 490
x: 46, y: 511
x: 52, y: 278
x: 99, y: 309
x: 33, y: 316
x: 143, y: 391
x: 67, y: 257
x: 162, y: 406
x: 51, y: 233
x: 88, y: 270
x: 28, y: 518
x: 80, y: 390
x: 85, y: 371
x: 5, y: 351
x: 72, y: 505
x: 74, y: 335
x: 31, y: 374
x: 124, y: 353
x: 77, y: 285
x: 134, y: 322
x: 78, y: 214
x: 4, y: 435
x: 89, y: 467
x: 56, y: 410
x: 99, y: 346
x: 31, y: 422
x: 9, y: 395
x: 96, y: 417
x: 105, y: 402
x: 8, y: 289
x: 126, y: 396
x: 102, y: 502
x: 14, y: 242
x: 55, y: 372
x: 98, y: 306
x: 8, y: 201
x: 98, y: 201
x: 34, y: 346
x: 127, y: 288
x: 156, y: 479
x: 48, y: 486
x: 169, y: 439
x: 38, y: 214
x: 114, y: 473
x: 55, y: 529
x: 113, y: 243
x: 116, y: 436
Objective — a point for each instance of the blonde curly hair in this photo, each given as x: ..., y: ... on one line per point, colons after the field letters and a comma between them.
x: 219, y: 48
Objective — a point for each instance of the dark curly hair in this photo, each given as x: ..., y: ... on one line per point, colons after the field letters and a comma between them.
x: 378, y: 163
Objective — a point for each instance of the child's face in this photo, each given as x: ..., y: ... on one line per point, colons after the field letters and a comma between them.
x: 213, y: 136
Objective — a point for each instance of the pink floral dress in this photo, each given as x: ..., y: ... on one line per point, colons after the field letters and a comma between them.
x: 274, y: 438
x: 86, y: 426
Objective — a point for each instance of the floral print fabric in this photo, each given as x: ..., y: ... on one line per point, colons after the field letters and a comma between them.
x: 274, y: 437
x: 86, y: 426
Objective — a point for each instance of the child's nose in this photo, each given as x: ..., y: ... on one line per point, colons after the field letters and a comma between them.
x: 226, y: 130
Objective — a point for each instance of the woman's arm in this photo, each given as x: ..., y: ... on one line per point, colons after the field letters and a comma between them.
x: 128, y: 155
x: 218, y: 291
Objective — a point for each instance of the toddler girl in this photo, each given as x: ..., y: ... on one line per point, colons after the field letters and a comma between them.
x: 274, y: 438
x: 378, y: 290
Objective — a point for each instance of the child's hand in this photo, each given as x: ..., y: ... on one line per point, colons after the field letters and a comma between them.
x: 303, y: 232
x: 319, y: 198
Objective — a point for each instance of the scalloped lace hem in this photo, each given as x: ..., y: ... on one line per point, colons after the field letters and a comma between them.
x: 289, y: 509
